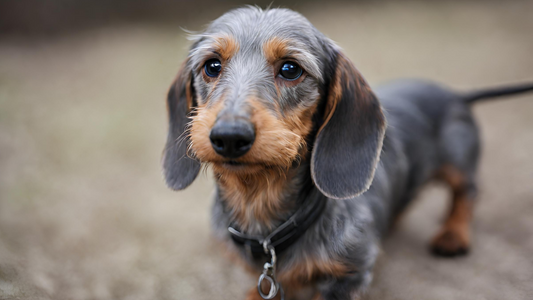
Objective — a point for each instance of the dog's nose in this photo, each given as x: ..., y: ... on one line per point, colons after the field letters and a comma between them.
x: 232, y: 138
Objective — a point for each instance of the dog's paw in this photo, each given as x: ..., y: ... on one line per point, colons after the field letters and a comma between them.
x: 451, y: 241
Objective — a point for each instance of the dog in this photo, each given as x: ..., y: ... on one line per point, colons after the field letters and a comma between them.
x: 311, y: 165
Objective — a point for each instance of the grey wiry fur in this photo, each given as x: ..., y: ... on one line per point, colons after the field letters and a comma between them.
x: 428, y: 127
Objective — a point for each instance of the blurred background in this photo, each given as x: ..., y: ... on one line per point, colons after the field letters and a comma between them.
x: 85, y: 213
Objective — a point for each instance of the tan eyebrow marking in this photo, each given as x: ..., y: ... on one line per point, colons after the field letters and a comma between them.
x: 276, y: 48
x: 226, y: 46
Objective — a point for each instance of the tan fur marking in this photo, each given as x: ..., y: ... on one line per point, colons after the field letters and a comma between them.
x: 178, y: 81
x: 309, y: 270
x: 226, y: 46
x: 345, y: 72
x: 254, y: 199
x: 188, y: 94
x: 255, y: 193
x: 453, y: 177
x: 300, y: 119
x: 275, y: 143
x: 318, y: 296
x: 201, y: 125
x: 333, y: 99
x: 275, y: 48
x: 454, y: 236
x: 304, y: 275
x: 257, y: 197
x: 278, y: 142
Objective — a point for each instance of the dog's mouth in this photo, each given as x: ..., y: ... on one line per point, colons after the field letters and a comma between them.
x: 234, y: 164
x: 239, y: 166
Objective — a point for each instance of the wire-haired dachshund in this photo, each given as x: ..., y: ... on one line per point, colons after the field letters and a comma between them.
x: 311, y: 164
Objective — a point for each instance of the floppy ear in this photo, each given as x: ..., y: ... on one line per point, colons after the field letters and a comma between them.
x: 348, y: 144
x: 180, y: 169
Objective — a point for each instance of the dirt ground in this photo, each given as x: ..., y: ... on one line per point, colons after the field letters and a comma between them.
x: 84, y: 211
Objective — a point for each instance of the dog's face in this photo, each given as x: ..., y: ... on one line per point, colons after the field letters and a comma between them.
x: 256, y: 76
x: 256, y: 84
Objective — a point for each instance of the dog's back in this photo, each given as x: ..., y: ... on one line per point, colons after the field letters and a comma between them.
x: 432, y: 134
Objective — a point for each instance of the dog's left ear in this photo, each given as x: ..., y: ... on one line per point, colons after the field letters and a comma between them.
x: 179, y: 168
x: 348, y: 144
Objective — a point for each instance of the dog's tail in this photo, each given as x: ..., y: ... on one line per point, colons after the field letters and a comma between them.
x: 487, y: 94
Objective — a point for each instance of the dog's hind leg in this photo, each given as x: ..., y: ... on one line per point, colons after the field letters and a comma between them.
x: 459, y: 143
x: 454, y: 236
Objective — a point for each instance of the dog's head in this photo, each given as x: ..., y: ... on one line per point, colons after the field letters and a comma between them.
x: 261, y: 88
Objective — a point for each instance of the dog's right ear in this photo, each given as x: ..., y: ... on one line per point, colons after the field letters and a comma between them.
x: 179, y: 167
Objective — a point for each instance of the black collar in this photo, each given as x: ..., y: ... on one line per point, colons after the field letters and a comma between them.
x: 283, y: 236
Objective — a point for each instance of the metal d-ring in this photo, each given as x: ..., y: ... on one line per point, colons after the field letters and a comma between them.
x: 274, y: 286
x: 269, y: 274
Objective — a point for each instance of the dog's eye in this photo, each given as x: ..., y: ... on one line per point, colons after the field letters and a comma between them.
x: 290, y: 71
x: 212, y: 67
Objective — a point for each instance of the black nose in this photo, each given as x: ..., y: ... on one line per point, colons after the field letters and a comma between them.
x: 232, y: 138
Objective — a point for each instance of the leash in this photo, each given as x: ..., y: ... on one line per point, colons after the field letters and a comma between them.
x: 277, y: 241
